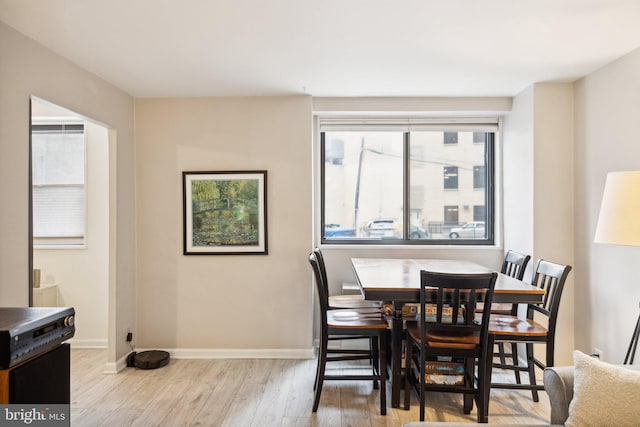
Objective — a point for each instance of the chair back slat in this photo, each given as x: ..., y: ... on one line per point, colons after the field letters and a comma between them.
x: 473, y: 299
x: 323, y: 269
x: 551, y: 277
x: 323, y: 296
x: 457, y: 295
x: 515, y: 264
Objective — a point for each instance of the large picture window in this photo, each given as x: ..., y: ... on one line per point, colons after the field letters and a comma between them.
x: 384, y: 185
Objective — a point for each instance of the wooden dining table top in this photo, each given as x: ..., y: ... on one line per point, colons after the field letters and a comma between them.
x: 398, y: 279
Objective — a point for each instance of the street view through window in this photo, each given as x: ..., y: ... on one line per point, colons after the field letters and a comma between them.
x: 407, y: 187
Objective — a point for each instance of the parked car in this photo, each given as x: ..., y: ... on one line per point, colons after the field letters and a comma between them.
x: 418, y: 232
x: 470, y: 230
x: 391, y: 228
x: 382, y: 227
x: 335, y: 230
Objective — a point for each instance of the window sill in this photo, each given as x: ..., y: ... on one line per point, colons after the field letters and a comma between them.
x: 58, y: 247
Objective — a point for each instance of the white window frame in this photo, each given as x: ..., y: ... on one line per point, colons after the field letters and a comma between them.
x: 327, y: 122
x: 66, y: 242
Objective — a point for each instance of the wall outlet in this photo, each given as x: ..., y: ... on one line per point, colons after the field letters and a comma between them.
x: 597, y: 353
x: 129, y: 336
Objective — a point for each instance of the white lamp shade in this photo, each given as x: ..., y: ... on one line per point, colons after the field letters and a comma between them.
x: 619, y: 220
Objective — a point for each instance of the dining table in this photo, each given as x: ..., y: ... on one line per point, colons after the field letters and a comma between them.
x: 396, y: 281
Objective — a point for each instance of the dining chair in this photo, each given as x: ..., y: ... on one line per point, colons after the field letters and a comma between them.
x: 451, y: 330
x: 514, y: 265
x: 512, y: 329
x: 348, y: 323
x: 355, y: 301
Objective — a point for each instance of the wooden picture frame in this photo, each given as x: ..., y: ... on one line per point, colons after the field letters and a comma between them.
x: 225, y: 212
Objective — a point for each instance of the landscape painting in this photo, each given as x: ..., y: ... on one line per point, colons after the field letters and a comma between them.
x: 225, y: 213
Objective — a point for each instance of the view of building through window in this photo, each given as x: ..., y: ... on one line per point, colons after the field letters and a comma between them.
x: 364, y: 180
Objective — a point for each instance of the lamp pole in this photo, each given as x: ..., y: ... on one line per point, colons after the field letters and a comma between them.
x: 631, y: 352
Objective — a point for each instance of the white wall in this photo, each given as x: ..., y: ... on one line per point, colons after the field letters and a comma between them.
x: 221, y: 305
x: 553, y: 229
x: 607, y: 129
x: 30, y: 69
x: 82, y: 274
x: 538, y: 188
x: 517, y: 149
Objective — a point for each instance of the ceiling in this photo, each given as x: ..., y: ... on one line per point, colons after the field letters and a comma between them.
x: 167, y: 48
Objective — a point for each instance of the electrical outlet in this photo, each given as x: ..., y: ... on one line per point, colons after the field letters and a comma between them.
x: 597, y: 353
x: 129, y: 336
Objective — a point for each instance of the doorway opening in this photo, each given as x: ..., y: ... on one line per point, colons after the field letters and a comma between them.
x: 71, y: 218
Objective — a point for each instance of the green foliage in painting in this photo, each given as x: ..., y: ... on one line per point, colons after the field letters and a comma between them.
x: 225, y: 212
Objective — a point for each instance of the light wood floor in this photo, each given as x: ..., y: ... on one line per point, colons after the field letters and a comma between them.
x: 256, y: 393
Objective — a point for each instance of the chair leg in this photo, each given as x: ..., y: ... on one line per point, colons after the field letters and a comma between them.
x: 315, y: 383
x: 420, y: 360
x: 501, y: 353
x: 321, y: 367
x: 516, y: 362
x: 407, y: 373
x: 469, y: 368
x: 382, y: 369
x: 485, y: 366
x: 422, y: 391
x: 532, y: 371
x: 374, y: 344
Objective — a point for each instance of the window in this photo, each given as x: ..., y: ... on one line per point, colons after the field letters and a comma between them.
x: 450, y: 137
x: 392, y: 185
x: 478, y: 137
x: 478, y: 177
x: 451, y: 215
x: 450, y: 177
x: 58, y: 171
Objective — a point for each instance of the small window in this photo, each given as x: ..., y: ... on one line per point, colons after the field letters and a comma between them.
x: 58, y: 171
x: 478, y: 137
x: 451, y: 215
x: 479, y: 177
x: 450, y: 177
x: 450, y: 138
x: 479, y: 213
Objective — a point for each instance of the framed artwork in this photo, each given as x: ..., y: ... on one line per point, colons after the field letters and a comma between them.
x: 225, y: 213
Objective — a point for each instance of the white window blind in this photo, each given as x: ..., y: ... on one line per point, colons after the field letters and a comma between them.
x: 58, y: 174
x: 478, y: 124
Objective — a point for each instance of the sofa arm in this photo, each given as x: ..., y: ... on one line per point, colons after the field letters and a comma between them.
x: 558, y: 382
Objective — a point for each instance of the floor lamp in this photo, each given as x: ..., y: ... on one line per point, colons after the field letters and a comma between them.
x: 619, y: 223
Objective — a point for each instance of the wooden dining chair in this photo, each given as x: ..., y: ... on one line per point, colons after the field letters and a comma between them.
x: 514, y: 265
x: 355, y: 301
x: 512, y: 329
x: 345, y: 323
x: 451, y: 330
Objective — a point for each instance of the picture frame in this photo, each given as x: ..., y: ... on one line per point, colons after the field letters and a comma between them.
x: 225, y: 212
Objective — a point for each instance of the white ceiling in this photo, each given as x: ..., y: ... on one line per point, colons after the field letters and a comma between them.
x: 168, y: 48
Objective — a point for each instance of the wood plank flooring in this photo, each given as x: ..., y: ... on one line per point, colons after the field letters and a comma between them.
x: 256, y: 392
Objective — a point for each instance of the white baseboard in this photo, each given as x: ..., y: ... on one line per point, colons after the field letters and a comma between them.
x: 229, y: 353
x: 203, y: 353
x: 114, y: 368
x: 88, y: 343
